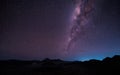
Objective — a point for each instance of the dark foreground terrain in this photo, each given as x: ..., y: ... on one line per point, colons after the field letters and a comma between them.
x: 108, y: 66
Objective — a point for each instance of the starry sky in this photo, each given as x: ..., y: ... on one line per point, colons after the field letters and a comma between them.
x: 59, y: 29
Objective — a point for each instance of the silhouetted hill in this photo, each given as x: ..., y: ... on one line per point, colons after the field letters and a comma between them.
x: 108, y: 66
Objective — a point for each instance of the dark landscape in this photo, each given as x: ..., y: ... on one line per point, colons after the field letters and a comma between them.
x: 108, y: 66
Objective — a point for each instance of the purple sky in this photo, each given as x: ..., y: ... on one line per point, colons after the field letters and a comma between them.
x: 38, y: 29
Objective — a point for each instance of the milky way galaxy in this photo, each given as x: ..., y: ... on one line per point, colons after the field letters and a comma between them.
x: 80, y: 18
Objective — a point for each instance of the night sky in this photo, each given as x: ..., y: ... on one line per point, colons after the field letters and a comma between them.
x: 59, y: 29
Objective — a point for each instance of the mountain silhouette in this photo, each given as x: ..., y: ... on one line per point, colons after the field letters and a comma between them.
x: 108, y: 66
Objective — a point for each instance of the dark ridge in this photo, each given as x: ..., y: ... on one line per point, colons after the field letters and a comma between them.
x: 108, y: 66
